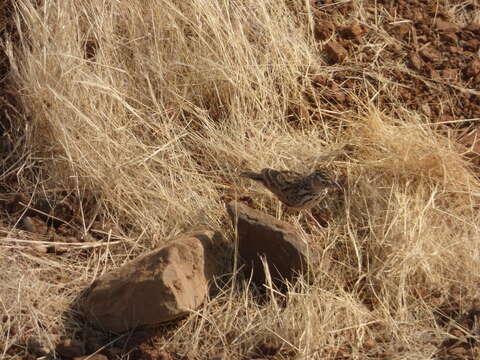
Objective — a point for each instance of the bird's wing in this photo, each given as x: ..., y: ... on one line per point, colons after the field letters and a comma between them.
x: 280, y: 179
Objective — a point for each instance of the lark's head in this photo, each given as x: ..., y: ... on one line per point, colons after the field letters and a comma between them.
x: 322, y: 179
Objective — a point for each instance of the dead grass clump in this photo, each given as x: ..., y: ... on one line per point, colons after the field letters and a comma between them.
x: 155, y: 107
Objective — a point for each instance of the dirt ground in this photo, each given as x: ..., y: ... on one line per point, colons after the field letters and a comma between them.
x: 413, y: 51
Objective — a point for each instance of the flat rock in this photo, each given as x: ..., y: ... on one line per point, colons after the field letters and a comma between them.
x: 159, y: 286
x: 261, y: 235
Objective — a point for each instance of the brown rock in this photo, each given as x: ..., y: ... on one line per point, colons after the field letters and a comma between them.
x: 431, y: 54
x: 261, y: 235
x: 415, y: 62
x: 352, y: 32
x: 159, y: 286
x: 336, y: 52
x: 370, y: 343
x: 70, y: 348
x: 323, y: 29
x: 449, y: 38
x: 319, y: 79
x: 446, y: 26
x: 91, y: 357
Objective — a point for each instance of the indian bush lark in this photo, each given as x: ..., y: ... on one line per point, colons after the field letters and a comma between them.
x: 293, y: 189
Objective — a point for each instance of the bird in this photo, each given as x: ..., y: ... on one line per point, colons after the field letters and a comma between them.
x: 294, y: 189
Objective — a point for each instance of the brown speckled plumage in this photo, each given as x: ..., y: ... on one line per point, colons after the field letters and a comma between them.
x: 293, y: 189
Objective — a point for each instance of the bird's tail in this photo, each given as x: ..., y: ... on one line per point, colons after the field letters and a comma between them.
x: 253, y: 176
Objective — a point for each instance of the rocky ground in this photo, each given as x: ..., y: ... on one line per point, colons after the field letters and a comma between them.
x: 415, y: 54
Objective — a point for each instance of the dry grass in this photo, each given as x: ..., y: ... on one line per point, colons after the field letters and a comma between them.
x: 153, y: 108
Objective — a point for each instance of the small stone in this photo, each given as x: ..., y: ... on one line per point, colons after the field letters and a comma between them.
x: 323, y: 29
x: 352, y: 32
x: 449, y: 38
x: 370, y: 343
x: 415, y: 62
x: 446, y: 26
x: 336, y: 52
x: 70, y: 348
x: 431, y: 54
x: 319, y: 79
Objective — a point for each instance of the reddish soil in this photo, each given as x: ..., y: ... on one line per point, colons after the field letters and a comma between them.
x: 430, y: 65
